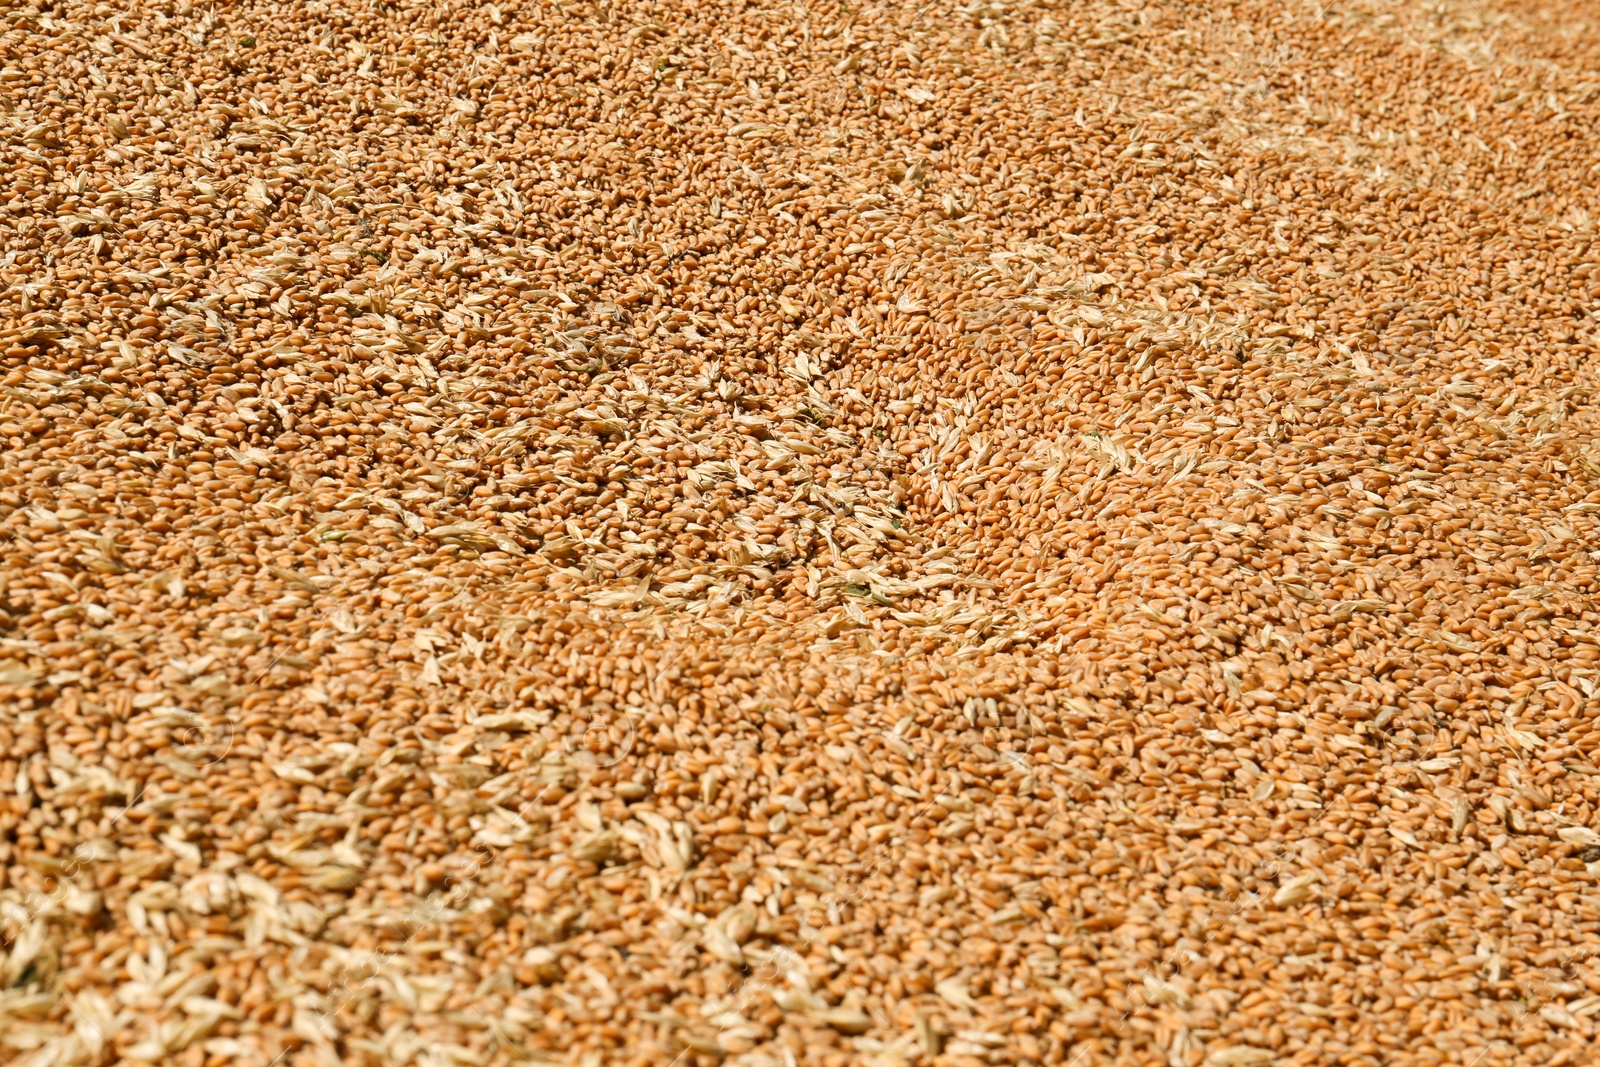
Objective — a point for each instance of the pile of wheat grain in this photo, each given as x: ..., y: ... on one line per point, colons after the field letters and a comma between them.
x: 771, y: 535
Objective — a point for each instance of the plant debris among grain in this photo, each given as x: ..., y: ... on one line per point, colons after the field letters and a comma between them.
x: 665, y: 532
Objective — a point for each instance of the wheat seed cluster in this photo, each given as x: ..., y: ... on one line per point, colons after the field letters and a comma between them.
x: 799, y: 535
